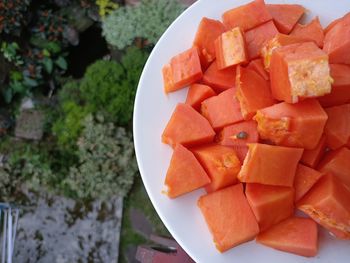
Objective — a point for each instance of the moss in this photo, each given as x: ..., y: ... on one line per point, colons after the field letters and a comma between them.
x: 148, y: 20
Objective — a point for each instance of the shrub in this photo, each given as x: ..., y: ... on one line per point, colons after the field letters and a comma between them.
x: 13, y: 16
x: 148, y: 20
x: 107, y: 87
x: 107, y: 165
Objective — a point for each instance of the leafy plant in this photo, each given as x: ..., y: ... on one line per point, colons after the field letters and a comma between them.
x: 39, y: 64
x: 50, y: 26
x: 108, y: 87
x: 10, y: 53
x: 105, y: 7
x: 148, y: 20
x: 13, y: 16
x: 107, y: 164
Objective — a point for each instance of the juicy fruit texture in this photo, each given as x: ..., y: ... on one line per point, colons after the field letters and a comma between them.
x: 198, y: 93
x: 294, y: 235
x: 312, y: 157
x: 285, y: 16
x: 277, y: 41
x: 299, y: 71
x: 221, y: 164
x: 328, y: 203
x: 208, y: 31
x: 247, y: 16
x: 258, y: 36
x: 222, y: 110
x: 274, y: 95
x: 238, y: 135
x: 337, y: 129
x: 258, y: 66
x: 295, y: 125
x: 278, y: 167
x: 220, y: 80
x: 340, y: 88
x: 337, y: 42
x: 229, y: 217
x: 253, y: 92
x: 186, y: 126
x: 305, y: 178
x: 338, y: 164
x: 184, y: 69
x: 230, y: 48
x: 270, y: 204
x: 184, y: 174
x: 312, y: 32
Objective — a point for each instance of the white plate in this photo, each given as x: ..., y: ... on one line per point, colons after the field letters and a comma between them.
x: 152, y: 112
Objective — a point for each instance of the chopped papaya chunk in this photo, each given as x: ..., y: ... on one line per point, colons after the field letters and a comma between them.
x: 230, y: 48
x: 312, y: 32
x: 229, y: 217
x: 299, y: 71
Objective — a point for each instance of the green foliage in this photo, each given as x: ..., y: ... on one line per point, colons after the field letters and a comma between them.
x: 10, y: 53
x: 105, y: 7
x: 107, y: 165
x: 27, y: 165
x: 40, y: 64
x: 69, y: 127
x: 13, y: 16
x: 148, y: 20
x: 108, y: 87
x: 49, y: 27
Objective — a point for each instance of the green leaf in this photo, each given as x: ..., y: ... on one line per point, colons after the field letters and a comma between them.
x: 48, y: 65
x: 30, y: 82
x: 46, y: 53
x: 62, y: 63
x: 53, y: 47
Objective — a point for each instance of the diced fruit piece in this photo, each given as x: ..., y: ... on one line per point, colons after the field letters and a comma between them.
x: 221, y: 164
x: 295, y: 125
x: 253, y: 92
x: 229, y: 217
x: 305, y: 178
x: 257, y: 37
x: 247, y: 16
x: 285, y: 16
x: 277, y: 41
x: 230, y: 48
x: 198, y: 93
x: 222, y: 110
x: 337, y: 128
x: 337, y: 42
x: 277, y: 168
x: 338, y: 164
x: 258, y: 66
x: 312, y: 157
x: 340, y: 88
x: 270, y: 204
x: 328, y: 203
x: 220, y: 80
x: 345, y: 18
x: 312, y: 32
x: 184, y: 69
x: 185, y: 174
x: 238, y: 135
x: 294, y: 235
x: 299, y: 71
x: 208, y: 31
x: 188, y: 127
